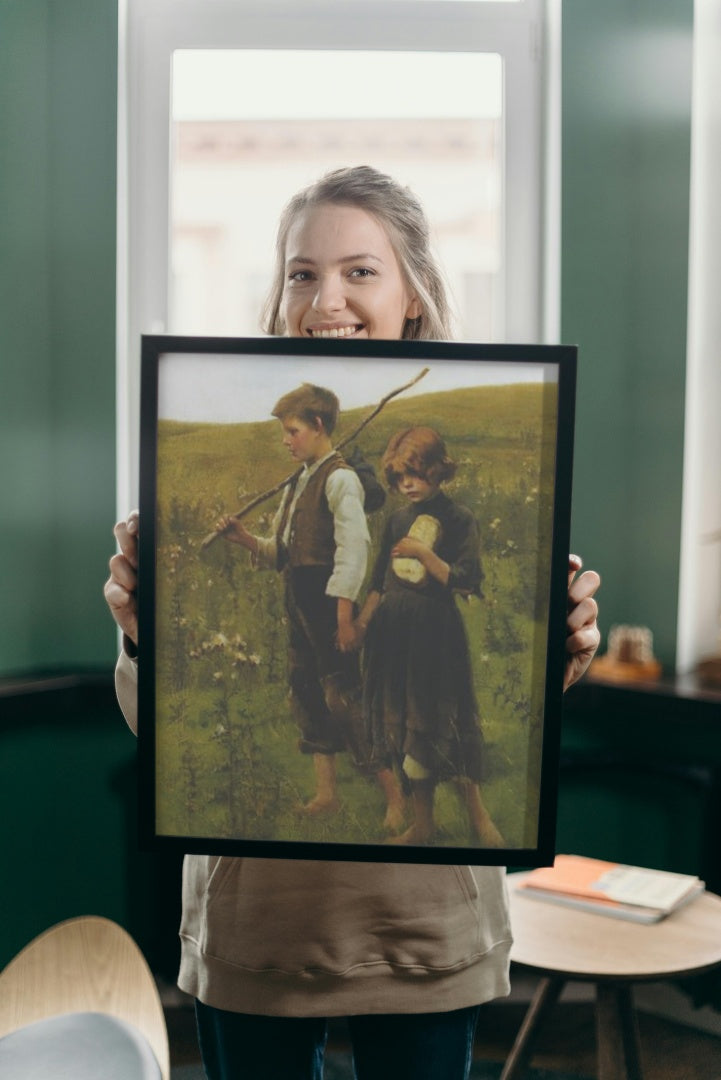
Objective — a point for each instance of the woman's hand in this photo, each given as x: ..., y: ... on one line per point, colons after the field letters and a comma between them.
x: 583, y: 635
x: 122, y: 585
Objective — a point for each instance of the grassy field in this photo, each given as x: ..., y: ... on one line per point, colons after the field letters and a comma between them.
x: 226, y: 745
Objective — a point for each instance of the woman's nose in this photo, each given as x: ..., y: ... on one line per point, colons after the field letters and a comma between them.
x: 329, y: 295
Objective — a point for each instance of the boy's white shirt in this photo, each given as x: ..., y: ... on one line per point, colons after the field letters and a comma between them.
x: 344, y: 493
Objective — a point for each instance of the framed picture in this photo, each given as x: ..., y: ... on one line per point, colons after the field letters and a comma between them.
x: 352, y: 597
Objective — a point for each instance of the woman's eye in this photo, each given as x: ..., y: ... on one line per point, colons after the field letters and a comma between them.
x: 300, y: 276
x: 362, y: 272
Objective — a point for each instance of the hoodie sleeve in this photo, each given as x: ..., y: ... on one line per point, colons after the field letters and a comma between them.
x: 126, y: 688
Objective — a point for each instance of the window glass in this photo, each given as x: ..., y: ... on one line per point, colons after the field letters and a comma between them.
x: 472, y: 1
x: 251, y: 127
x: 226, y: 108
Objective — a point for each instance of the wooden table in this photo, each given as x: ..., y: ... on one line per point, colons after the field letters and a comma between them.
x: 563, y: 944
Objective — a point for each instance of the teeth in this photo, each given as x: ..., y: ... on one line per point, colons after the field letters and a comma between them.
x: 336, y: 332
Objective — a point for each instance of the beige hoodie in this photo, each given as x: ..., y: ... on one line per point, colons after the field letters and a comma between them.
x: 285, y: 937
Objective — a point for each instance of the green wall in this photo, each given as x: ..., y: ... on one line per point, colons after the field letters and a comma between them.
x: 626, y: 136
x: 626, y: 146
x: 58, y: 74
x: 626, y: 127
x: 68, y: 804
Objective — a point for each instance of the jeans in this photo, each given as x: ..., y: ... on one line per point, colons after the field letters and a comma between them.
x: 414, y: 1046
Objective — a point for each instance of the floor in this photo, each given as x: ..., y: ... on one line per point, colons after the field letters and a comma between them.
x: 669, y: 1051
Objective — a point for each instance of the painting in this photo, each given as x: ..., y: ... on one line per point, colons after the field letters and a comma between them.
x: 352, y: 597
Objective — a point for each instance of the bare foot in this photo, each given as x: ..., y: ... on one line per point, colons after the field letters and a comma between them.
x: 395, y: 801
x: 325, y: 801
x: 414, y: 835
x: 486, y: 831
x: 481, y: 821
x: 395, y: 818
x: 319, y: 806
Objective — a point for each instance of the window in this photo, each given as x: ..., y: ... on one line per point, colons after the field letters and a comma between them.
x: 699, y: 623
x: 236, y: 161
x: 227, y: 107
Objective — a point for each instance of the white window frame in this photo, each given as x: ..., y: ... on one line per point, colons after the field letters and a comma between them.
x: 699, y: 597
x: 526, y: 34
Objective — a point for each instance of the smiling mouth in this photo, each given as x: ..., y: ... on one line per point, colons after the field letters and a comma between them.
x: 335, y: 331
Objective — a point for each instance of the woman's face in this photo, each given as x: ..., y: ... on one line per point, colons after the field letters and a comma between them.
x: 342, y: 277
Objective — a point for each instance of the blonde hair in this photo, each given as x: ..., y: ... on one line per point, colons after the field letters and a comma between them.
x: 402, y: 216
x: 420, y: 451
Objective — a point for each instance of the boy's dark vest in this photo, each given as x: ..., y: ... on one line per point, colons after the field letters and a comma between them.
x: 311, y: 542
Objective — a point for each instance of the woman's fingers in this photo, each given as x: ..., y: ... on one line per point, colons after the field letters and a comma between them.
x: 121, y: 587
x: 126, y: 534
x: 583, y: 636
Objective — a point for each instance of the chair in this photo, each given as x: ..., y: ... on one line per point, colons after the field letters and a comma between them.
x: 80, y: 1002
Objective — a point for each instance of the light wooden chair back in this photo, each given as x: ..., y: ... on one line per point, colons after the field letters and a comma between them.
x: 87, y: 964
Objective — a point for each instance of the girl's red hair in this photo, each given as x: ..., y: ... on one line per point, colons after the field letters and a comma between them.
x: 417, y: 450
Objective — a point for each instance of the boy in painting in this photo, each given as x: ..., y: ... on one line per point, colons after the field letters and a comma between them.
x: 419, y: 697
x: 320, y: 542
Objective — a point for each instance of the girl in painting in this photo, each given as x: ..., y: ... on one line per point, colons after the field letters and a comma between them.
x: 419, y: 698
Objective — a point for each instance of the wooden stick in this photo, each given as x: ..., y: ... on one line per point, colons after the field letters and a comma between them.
x: 384, y: 401
x: 211, y: 537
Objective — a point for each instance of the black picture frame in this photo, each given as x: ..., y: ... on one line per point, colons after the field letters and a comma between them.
x: 220, y: 772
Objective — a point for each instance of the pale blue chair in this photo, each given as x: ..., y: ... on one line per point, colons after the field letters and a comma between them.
x: 80, y: 1003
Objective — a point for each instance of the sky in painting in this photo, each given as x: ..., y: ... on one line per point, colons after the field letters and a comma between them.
x: 236, y: 388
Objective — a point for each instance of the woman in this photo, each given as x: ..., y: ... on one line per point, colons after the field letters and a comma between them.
x: 271, y: 948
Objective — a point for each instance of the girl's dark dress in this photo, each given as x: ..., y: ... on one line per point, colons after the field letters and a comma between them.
x: 418, y: 686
